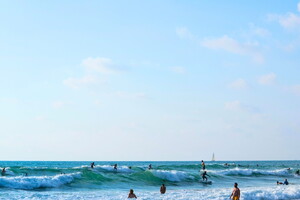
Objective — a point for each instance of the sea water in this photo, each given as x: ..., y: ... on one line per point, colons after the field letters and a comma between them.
x: 77, y: 180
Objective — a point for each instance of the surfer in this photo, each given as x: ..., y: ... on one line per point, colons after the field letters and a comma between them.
x: 92, y: 165
x: 163, y: 189
x: 204, y: 174
x: 297, y: 172
x: 115, y: 166
x: 203, y: 165
x: 150, y: 167
x: 131, y: 195
x: 285, y: 182
x: 235, y: 195
x: 3, y: 171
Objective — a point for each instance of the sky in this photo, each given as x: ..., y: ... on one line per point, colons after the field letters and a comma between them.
x: 149, y: 80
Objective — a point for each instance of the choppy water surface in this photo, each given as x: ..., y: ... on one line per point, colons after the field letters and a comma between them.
x: 77, y: 180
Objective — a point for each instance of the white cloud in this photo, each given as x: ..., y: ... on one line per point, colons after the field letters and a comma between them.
x: 267, y: 79
x: 238, y: 84
x: 138, y: 95
x: 77, y: 83
x: 102, y: 65
x: 40, y: 118
x: 262, y: 32
x: 58, y: 104
x: 295, y: 89
x: 178, y: 70
x: 238, y: 106
x: 183, y: 32
x: 289, y: 21
x: 231, y: 45
x: 233, y: 105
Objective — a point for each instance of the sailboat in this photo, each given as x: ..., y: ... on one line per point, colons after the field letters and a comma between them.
x: 213, y: 157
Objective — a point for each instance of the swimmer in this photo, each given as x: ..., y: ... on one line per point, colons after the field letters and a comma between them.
x: 163, y: 189
x: 204, y: 174
x: 279, y: 183
x: 235, y: 195
x: 150, y: 167
x: 92, y: 165
x: 285, y: 182
x: 115, y: 166
x: 131, y: 195
x: 297, y: 172
x: 129, y: 167
x: 203, y: 165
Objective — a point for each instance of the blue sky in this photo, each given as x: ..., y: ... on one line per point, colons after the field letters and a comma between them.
x: 149, y: 80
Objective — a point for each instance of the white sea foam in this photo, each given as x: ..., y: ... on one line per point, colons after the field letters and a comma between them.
x: 263, y: 193
x: 7, y: 171
x: 171, y: 175
x: 122, y: 169
x: 81, y: 167
x: 249, y: 172
x: 32, y: 182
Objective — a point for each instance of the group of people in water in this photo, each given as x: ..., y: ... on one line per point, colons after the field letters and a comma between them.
x: 131, y: 194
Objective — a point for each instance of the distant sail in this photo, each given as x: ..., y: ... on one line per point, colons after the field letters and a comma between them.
x: 213, y: 157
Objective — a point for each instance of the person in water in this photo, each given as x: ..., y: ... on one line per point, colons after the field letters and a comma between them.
x: 203, y: 165
x: 163, y: 189
x: 3, y: 171
x: 131, y: 195
x: 235, y: 195
x: 150, y: 167
x: 279, y: 183
x: 285, y: 182
x: 115, y: 166
x: 204, y: 174
x: 92, y: 165
x: 297, y: 172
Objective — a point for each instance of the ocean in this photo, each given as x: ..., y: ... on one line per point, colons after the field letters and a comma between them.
x: 77, y: 180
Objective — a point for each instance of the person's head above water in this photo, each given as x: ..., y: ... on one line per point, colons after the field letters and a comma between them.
x: 131, y: 191
x: 235, y: 184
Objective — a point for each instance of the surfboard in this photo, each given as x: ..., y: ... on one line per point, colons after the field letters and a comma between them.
x: 206, y: 182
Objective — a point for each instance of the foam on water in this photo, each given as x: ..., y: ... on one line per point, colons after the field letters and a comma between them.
x: 248, y: 172
x: 171, y: 175
x: 263, y: 193
x: 33, y: 182
x: 120, y: 169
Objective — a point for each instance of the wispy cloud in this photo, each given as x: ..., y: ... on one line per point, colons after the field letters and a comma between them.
x: 238, y: 84
x: 184, y: 33
x: 76, y: 83
x: 102, y: 65
x: 138, y: 95
x: 258, y: 31
x: 267, y: 79
x: 289, y: 21
x: 295, y: 89
x: 238, y: 106
x: 178, y: 70
x: 231, y: 45
x: 58, y: 104
x: 227, y: 44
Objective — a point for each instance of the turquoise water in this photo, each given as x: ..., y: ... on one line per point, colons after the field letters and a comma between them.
x: 77, y: 180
